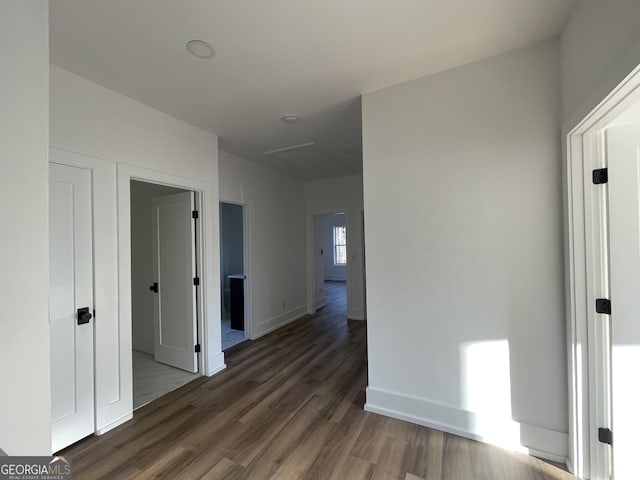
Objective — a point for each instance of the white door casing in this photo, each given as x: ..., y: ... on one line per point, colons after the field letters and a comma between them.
x: 587, y: 267
x: 623, y: 158
x: 70, y: 288
x: 174, y: 268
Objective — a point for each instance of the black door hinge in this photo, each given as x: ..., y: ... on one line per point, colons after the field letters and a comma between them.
x: 605, y: 435
x: 196, y: 281
x: 194, y: 214
x: 603, y: 305
x: 197, y: 348
x: 600, y: 175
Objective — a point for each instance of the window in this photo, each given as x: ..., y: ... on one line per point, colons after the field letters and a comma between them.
x: 339, y: 245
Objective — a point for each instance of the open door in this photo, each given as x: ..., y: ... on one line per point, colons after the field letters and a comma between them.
x: 318, y: 253
x: 175, y: 286
x: 623, y: 157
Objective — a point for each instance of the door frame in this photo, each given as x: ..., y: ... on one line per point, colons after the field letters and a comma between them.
x: 311, y: 248
x: 209, y: 335
x: 586, y: 266
x: 246, y: 260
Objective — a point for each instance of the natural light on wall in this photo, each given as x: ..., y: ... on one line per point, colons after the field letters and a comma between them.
x: 625, y: 360
x: 485, y: 388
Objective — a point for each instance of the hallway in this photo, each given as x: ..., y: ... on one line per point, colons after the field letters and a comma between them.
x: 290, y: 405
x: 335, y: 295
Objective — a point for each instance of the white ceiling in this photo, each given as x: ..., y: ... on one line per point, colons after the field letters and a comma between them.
x: 311, y: 58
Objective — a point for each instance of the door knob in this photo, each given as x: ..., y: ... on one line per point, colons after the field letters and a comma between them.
x: 84, y: 315
x: 154, y: 287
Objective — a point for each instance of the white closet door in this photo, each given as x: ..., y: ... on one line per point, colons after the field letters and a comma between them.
x: 70, y: 289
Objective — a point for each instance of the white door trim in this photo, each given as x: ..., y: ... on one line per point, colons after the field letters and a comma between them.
x: 211, y: 358
x: 586, y: 280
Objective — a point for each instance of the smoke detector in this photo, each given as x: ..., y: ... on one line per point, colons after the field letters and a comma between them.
x: 290, y: 119
x: 200, y: 49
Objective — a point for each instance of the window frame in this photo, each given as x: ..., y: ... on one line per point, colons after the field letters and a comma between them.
x: 336, y: 245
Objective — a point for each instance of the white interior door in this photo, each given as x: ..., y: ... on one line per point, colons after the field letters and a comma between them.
x: 623, y: 145
x: 319, y: 254
x: 70, y: 289
x: 174, y: 264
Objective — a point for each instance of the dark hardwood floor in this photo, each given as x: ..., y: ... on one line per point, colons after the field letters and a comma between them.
x: 290, y: 405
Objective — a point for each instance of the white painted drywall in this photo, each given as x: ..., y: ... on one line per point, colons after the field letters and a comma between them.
x: 92, y: 120
x: 600, y: 45
x: 332, y: 271
x: 142, y: 298
x: 25, y: 403
x: 343, y: 194
x: 462, y: 177
x: 231, y: 249
x: 275, y: 268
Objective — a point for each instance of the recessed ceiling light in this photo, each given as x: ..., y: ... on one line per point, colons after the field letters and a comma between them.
x: 290, y: 119
x: 200, y: 49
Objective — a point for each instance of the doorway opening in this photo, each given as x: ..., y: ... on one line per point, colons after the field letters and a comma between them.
x: 603, y: 221
x: 164, y: 293
x: 233, y: 275
x: 330, y: 260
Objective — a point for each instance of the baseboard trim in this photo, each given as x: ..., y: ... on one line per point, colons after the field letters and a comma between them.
x: 356, y: 317
x: 275, y: 323
x: 517, y: 436
x: 114, y: 424
x: 569, y: 466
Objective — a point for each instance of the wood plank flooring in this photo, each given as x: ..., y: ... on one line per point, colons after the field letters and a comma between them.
x: 290, y: 406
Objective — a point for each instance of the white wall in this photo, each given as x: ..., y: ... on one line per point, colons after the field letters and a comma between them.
x: 275, y: 268
x: 462, y: 178
x: 94, y: 121
x: 600, y: 46
x: 343, y: 194
x: 25, y: 406
x: 142, y: 298
x: 332, y: 271
x: 231, y: 249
